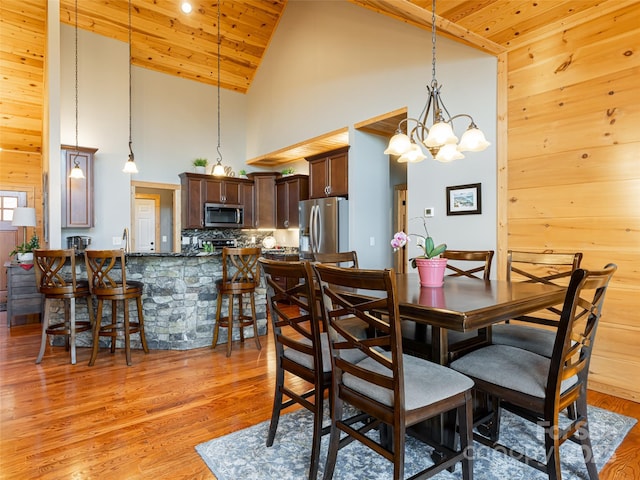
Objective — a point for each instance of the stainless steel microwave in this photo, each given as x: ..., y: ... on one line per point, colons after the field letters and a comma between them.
x: 221, y: 215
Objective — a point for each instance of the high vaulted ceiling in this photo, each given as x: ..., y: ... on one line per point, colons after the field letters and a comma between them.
x: 166, y: 40
x: 186, y: 45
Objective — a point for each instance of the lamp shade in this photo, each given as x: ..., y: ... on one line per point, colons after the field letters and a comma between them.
x: 24, y: 217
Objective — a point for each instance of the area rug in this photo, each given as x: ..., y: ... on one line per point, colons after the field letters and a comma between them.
x: 243, y: 454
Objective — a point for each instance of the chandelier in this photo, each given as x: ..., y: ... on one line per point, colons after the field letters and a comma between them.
x: 218, y: 170
x: 440, y: 138
x: 130, y: 165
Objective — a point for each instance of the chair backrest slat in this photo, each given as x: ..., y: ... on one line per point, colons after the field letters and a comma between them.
x: 339, y: 259
x: 481, y: 263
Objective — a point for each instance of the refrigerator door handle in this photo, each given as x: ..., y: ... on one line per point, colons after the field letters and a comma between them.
x: 312, y: 246
x: 316, y: 228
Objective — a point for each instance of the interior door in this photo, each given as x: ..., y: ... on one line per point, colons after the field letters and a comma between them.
x: 145, y: 225
x: 8, y: 233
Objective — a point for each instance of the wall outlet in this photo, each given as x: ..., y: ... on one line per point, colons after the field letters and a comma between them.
x: 116, y: 240
x: 164, y: 238
x: 372, y: 241
x: 429, y: 211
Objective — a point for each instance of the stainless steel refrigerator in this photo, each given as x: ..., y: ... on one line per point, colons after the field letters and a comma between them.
x: 324, y: 226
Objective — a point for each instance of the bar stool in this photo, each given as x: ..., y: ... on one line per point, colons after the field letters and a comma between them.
x: 55, y: 284
x: 240, y: 276
x: 110, y: 283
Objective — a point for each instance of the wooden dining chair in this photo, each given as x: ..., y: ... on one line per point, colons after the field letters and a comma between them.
x: 416, y: 337
x: 386, y: 387
x: 302, y: 348
x: 55, y: 283
x: 539, y: 388
x: 340, y: 259
x: 536, y: 267
x: 240, y: 277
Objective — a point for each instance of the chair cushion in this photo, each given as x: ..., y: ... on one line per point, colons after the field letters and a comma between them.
x: 306, y: 360
x: 425, y: 382
x: 509, y: 367
x: 536, y: 340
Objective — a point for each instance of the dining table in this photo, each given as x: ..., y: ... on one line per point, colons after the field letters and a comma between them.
x: 465, y: 304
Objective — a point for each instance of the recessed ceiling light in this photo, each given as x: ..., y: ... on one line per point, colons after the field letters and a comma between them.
x: 186, y: 7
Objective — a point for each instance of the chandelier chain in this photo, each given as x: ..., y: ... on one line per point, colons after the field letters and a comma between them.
x: 433, y: 43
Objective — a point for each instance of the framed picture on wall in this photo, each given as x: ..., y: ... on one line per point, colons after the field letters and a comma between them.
x: 464, y: 199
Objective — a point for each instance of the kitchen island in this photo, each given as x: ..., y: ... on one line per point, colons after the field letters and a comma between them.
x: 179, y: 301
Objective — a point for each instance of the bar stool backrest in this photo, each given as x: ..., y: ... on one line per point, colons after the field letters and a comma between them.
x: 51, y: 278
x: 106, y: 271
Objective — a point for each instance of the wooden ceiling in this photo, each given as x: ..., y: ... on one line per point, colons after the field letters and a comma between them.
x: 166, y: 40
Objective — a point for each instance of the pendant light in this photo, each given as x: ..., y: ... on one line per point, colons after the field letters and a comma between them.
x: 130, y: 166
x: 218, y: 170
x: 440, y: 138
x: 76, y: 172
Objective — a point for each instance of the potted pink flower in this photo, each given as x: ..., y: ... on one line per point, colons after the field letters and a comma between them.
x: 430, y: 266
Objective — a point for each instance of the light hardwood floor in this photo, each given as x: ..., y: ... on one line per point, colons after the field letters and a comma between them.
x: 110, y: 421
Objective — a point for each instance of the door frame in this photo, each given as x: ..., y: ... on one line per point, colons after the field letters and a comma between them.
x: 175, y: 210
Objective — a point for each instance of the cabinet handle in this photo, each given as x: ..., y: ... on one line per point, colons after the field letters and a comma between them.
x: 286, y: 224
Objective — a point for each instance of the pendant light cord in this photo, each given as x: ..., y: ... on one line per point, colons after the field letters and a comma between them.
x: 131, y: 158
x: 76, y: 79
x: 218, y: 147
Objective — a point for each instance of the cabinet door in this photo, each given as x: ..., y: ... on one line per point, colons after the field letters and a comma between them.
x: 247, y: 201
x: 282, y: 204
x: 289, y: 192
x: 231, y: 192
x: 264, y: 199
x: 338, y: 173
x: 214, y: 191
x: 77, y: 193
x: 192, y: 202
x: 318, y: 178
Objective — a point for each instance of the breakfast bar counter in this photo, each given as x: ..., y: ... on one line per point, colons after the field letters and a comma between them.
x: 179, y: 300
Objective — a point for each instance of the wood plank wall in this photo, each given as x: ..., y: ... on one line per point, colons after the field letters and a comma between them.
x: 574, y: 169
x: 22, y: 59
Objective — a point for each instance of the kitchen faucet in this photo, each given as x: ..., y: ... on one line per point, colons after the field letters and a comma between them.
x: 125, y: 237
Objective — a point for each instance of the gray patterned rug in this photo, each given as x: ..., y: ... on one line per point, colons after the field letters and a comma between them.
x: 243, y: 454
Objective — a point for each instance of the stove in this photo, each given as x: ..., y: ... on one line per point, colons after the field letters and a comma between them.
x: 218, y: 243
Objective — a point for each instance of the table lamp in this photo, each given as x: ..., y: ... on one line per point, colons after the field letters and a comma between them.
x: 24, y: 217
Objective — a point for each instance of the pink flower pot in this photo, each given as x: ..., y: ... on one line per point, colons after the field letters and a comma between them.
x: 431, y: 271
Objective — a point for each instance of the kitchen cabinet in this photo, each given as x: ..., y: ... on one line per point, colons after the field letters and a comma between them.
x: 329, y: 174
x: 264, y: 205
x: 198, y: 189
x: 246, y: 193
x: 23, y: 297
x: 222, y: 190
x: 77, y: 193
x: 289, y: 191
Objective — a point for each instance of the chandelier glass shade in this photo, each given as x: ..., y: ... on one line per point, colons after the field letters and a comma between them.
x: 439, y: 139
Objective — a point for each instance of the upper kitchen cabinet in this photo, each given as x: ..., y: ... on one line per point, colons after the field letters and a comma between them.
x: 77, y: 193
x: 223, y: 190
x: 329, y: 174
x: 198, y: 189
x: 289, y: 191
x: 264, y: 204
